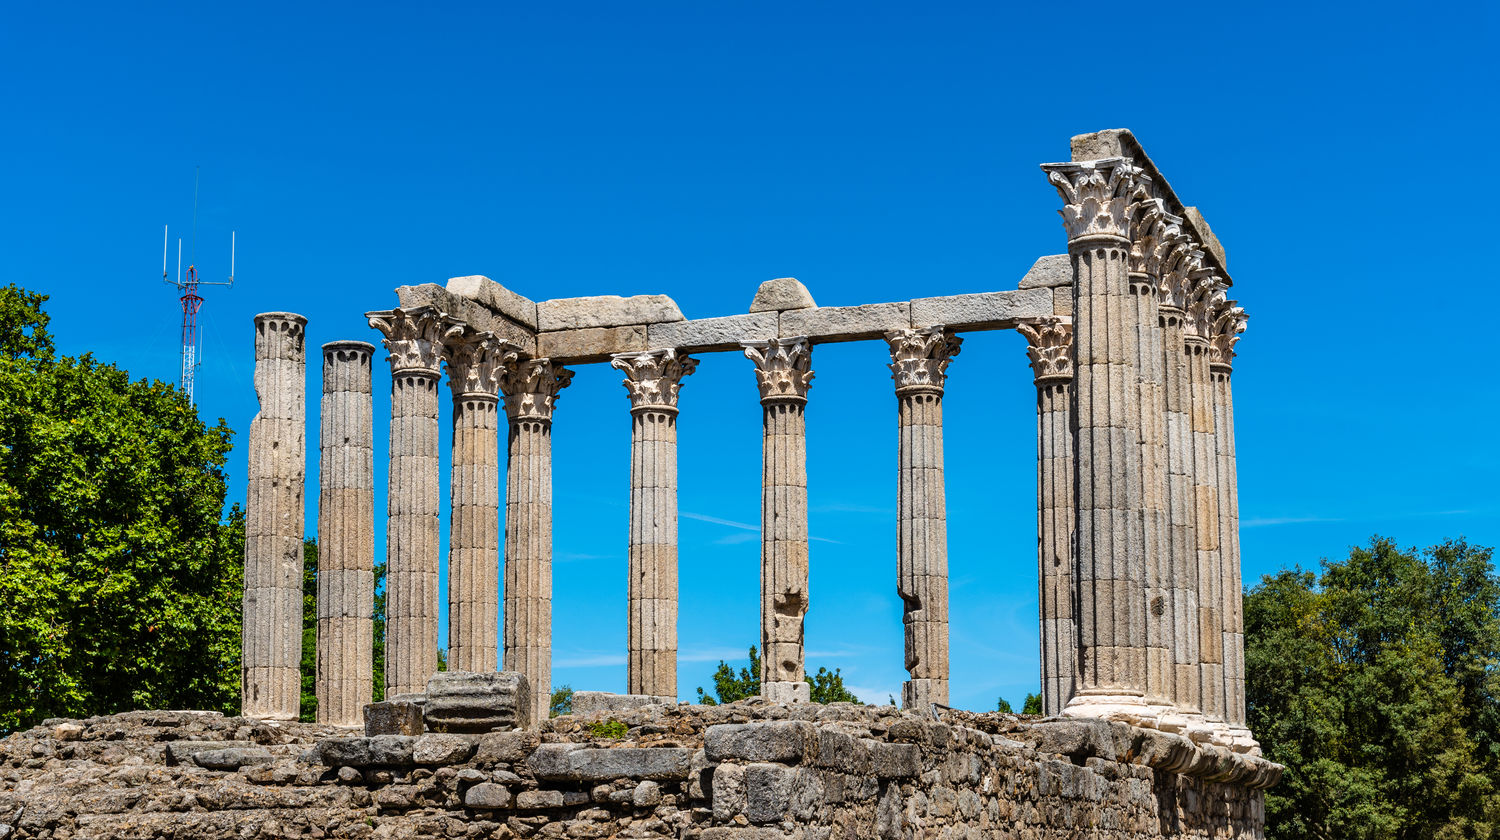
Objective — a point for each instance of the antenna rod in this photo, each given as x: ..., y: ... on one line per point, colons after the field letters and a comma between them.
x: 163, y: 252
x: 231, y: 256
x: 178, y: 278
x: 193, y: 248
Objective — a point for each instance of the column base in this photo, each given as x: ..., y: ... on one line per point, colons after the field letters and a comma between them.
x: 786, y: 692
x: 1242, y: 741
x: 1106, y: 704
x: 919, y: 695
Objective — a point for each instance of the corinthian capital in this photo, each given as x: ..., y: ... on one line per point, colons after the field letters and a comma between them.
x: 654, y: 377
x: 1228, y: 324
x: 1154, y: 235
x: 1205, y: 298
x: 414, y: 338
x: 475, y: 360
x: 1097, y: 195
x: 1049, y: 343
x: 783, y: 368
x: 530, y: 386
x: 1182, y: 269
x: 919, y: 359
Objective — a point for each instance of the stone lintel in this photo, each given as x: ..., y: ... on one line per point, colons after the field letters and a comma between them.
x: 981, y: 311
x: 477, y: 316
x: 605, y: 311
x: 590, y: 344
x: 846, y: 323
x: 488, y: 293
x: 712, y: 334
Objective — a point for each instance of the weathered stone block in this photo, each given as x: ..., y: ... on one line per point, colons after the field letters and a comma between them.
x: 181, y: 752
x: 727, y: 789
x: 443, y: 749
x: 1048, y: 272
x: 846, y: 323
x: 540, y: 799
x: 505, y: 747
x: 233, y: 758
x: 591, y: 344
x: 1082, y: 738
x: 1200, y: 230
x: 895, y: 761
x: 781, y: 294
x: 786, y: 741
x: 468, y: 311
x: 768, y: 791
x: 605, y: 311
x: 488, y: 293
x: 981, y: 311
x: 378, y: 751
x: 488, y: 795
x: 461, y: 701
x: 393, y: 717
x: 706, y: 334
x: 571, y: 763
x: 594, y: 702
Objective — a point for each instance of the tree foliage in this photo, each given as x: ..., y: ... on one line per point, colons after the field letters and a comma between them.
x: 562, y: 701
x: 1376, y: 684
x: 823, y: 687
x: 119, y: 579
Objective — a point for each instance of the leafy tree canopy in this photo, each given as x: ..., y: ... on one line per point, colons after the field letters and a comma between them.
x: 1376, y: 684
x: 823, y: 687
x: 119, y: 583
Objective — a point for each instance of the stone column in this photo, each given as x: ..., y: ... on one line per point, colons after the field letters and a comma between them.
x: 1204, y: 296
x: 346, y: 536
x: 270, y: 682
x: 653, y: 380
x: 530, y: 387
x: 1153, y: 233
x: 1106, y: 421
x: 919, y: 363
x: 1181, y: 264
x: 414, y: 338
x: 474, y: 360
x: 783, y: 371
x: 1228, y: 323
x: 1049, y: 345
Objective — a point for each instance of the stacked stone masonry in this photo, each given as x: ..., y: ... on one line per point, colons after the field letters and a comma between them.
x: 1130, y: 336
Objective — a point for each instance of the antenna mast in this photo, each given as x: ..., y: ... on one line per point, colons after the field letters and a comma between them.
x: 187, y: 283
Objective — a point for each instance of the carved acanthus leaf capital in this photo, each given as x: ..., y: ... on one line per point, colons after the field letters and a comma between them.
x: 1049, y: 345
x: 919, y: 359
x: 1205, y: 296
x: 783, y: 368
x: 531, y: 386
x: 475, y: 360
x: 1182, y: 269
x: 1155, y: 235
x: 1228, y: 325
x: 1097, y: 195
x: 653, y: 378
x: 414, y: 338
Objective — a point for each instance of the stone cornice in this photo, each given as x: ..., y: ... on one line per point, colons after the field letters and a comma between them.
x: 1049, y: 346
x: 1096, y: 195
x: 531, y: 386
x: 783, y: 368
x: 920, y: 358
x: 414, y: 338
x: 653, y: 378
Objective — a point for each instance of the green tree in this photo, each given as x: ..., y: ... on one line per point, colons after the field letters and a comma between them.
x: 1033, y: 705
x: 1004, y: 706
x: 378, y: 647
x: 1376, y: 684
x: 120, y: 575
x: 824, y: 687
x: 562, y: 701
x: 308, y: 709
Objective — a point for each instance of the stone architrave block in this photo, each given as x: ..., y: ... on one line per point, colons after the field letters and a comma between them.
x: 1062, y: 300
x: 487, y: 292
x: 786, y: 741
x: 596, y: 702
x: 572, y: 763
x: 461, y: 701
x: 468, y: 311
x: 712, y: 334
x: 781, y: 294
x: 846, y: 323
x: 605, y: 311
x: 1048, y: 272
x: 981, y: 311
x: 1204, y: 234
x: 590, y: 344
x: 393, y: 717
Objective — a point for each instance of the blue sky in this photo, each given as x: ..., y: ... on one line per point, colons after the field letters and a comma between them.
x: 876, y: 151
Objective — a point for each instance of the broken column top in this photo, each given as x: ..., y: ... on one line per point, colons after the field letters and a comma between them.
x: 781, y: 294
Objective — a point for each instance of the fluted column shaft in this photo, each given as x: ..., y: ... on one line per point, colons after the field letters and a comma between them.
x: 414, y: 338
x: 1229, y: 322
x: 530, y: 390
x: 474, y: 503
x: 1206, y: 519
x: 346, y: 535
x: 653, y: 380
x: 919, y: 361
x: 1110, y: 578
x: 783, y: 373
x: 271, y: 652
x: 1181, y: 511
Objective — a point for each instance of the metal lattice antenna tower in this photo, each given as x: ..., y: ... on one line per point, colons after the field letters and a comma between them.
x: 188, y: 283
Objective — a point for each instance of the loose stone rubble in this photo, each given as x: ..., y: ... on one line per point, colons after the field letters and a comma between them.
x: 743, y: 771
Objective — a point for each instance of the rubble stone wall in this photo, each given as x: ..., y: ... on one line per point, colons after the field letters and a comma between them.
x: 743, y: 771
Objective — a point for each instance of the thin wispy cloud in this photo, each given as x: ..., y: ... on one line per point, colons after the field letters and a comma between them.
x: 737, y: 538
x: 1270, y: 521
x: 744, y: 526
x: 592, y: 660
x: 846, y: 507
